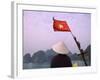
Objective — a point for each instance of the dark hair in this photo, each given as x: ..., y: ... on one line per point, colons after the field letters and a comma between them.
x: 61, y: 60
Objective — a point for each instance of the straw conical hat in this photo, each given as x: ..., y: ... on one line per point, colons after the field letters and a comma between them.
x: 60, y: 48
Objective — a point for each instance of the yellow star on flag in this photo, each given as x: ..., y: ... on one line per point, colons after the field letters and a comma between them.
x: 60, y: 26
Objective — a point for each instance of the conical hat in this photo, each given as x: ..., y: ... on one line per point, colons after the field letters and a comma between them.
x: 60, y: 48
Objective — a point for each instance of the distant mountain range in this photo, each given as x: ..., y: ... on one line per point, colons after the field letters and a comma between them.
x: 27, y: 58
x: 41, y: 56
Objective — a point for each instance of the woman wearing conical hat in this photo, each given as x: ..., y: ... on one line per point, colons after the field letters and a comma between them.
x: 61, y: 59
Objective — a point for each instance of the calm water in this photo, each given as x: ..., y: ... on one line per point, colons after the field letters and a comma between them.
x: 47, y: 65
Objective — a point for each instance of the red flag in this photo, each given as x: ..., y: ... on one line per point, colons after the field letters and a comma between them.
x: 59, y: 25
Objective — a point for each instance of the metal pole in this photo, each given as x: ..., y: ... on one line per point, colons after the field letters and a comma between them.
x: 81, y: 51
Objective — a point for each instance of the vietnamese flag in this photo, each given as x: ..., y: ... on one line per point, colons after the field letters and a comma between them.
x: 59, y: 25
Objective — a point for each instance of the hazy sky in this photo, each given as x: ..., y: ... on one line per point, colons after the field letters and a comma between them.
x: 39, y: 34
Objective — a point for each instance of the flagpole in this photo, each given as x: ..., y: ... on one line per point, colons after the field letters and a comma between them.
x: 77, y: 43
x: 81, y: 51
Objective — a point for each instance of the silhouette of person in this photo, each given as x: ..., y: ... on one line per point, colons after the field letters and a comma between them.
x: 61, y: 59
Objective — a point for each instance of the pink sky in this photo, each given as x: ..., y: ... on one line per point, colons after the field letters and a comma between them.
x: 39, y: 34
